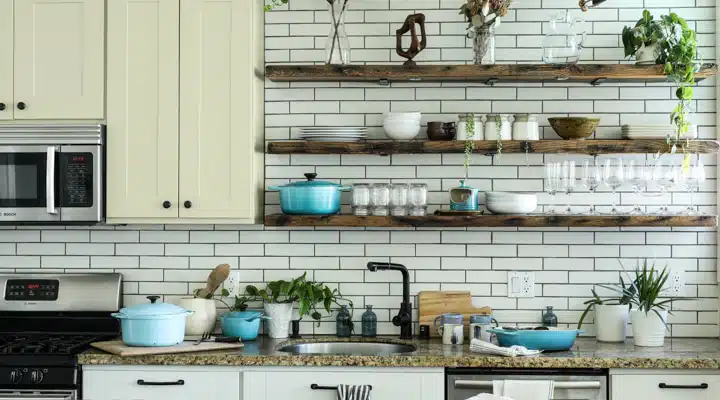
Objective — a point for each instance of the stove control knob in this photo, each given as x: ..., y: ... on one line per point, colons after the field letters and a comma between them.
x: 16, y: 376
x: 36, y: 376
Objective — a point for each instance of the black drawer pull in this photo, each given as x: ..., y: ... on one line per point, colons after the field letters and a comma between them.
x: 178, y: 382
x: 700, y: 386
x: 315, y: 386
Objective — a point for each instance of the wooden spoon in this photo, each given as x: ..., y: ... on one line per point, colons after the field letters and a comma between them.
x: 215, y: 279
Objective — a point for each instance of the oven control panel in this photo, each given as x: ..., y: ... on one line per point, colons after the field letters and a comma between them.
x: 31, y: 289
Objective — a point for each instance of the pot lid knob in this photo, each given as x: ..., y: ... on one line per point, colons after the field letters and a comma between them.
x: 310, y: 176
x: 153, y: 299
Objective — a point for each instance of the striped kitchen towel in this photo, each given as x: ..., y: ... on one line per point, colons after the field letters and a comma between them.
x: 354, y: 392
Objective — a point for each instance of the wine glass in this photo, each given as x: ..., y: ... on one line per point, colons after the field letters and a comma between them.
x: 636, y: 175
x: 568, y: 181
x: 665, y: 174
x: 614, y: 177
x: 591, y: 179
x: 691, y: 178
x: 552, y: 184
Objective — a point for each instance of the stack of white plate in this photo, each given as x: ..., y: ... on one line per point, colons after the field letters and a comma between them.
x: 654, y: 131
x: 333, y: 133
x: 510, y: 203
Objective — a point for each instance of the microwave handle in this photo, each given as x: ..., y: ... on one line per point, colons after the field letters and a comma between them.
x: 50, y: 181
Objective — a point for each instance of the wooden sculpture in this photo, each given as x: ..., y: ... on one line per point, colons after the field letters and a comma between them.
x: 415, y: 46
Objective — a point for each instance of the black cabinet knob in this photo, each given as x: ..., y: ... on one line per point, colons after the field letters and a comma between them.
x: 21, y: 105
x: 2, y: 106
x: 167, y: 204
x: 187, y: 204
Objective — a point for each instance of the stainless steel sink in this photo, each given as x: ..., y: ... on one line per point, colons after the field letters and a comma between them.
x: 348, y: 348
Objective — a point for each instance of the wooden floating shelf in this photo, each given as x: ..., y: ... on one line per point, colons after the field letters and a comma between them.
x: 526, y: 221
x: 385, y: 147
x: 489, y: 74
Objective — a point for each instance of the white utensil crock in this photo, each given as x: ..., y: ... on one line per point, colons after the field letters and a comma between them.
x: 525, y: 127
x: 648, y: 329
x: 611, y: 322
x: 491, y: 127
x: 280, y: 315
x: 203, y: 317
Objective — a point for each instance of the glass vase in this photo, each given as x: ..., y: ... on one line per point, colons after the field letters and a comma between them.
x: 484, y: 45
x: 337, y: 46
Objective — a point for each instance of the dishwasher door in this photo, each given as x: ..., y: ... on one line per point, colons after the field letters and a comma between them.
x: 584, y: 384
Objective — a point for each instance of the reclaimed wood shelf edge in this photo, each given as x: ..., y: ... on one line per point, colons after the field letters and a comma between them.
x: 595, y: 73
x: 590, y: 146
x: 437, y: 221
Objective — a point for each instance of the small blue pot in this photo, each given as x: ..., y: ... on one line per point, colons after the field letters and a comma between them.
x: 310, y: 197
x: 551, y: 340
x: 245, y: 325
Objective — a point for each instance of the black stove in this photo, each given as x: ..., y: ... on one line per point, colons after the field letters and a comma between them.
x: 41, y: 334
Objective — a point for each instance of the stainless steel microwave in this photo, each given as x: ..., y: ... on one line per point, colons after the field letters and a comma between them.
x: 52, y: 174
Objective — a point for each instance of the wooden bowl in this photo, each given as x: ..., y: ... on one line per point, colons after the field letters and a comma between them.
x: 574, y: 128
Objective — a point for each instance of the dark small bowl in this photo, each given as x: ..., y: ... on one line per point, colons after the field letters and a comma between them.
x: 441, y: 130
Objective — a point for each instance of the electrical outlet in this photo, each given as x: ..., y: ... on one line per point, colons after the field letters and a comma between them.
x: 521, y: 284
x: 675, y: 285
x: 232, y: 282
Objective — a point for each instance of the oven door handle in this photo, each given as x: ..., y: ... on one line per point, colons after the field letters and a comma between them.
x: 463, y: 384
x: 36, y: 396
x: 50, y: 182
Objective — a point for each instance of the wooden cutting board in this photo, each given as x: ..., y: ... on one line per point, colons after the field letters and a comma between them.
x: 433, y: 304
x: 117, y: 347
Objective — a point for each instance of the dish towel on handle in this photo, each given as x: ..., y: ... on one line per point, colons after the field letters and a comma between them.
x: 480, y: 346
x: 524, y: 390
x: 353, y: 392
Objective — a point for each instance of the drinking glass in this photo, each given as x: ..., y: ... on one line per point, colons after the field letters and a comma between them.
x: 614, y: 177
x: 691, y: 178
x: 380, y: 198
x: 418, y: 199
x: 552, y: 184
x: 665, y: 174
x: 591, y: 179
x: 361, y: 199
x: 399, y: 199
x: 636, y: 175
x: 568, y: 181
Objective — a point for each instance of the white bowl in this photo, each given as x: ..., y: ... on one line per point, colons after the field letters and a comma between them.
x: 403, y: 115
x: 402, y: 130
x: 510, y: 203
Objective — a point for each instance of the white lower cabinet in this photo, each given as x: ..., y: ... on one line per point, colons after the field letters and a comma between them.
x: 665, y: 385
x: 387, y: 383
x: 156, y: 383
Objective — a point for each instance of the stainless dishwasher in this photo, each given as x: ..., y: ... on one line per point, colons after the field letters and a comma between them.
x: 570, y: 384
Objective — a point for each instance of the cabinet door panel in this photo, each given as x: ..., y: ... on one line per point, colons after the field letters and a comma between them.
x: 6, y: 58
x: 219, y: 108
x: 676, y: 387
x: 59, y: 59
x: 143, y: 59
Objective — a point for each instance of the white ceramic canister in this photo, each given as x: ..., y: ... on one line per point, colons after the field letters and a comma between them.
x: 278, y: 323
x: 491, y: 127
x: 525, y: 127
x: 462, y: 130
x: 203, y: 317
x: 611, y: 322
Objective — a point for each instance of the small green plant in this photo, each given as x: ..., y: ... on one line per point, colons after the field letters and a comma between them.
x: 240, y: 303
x: 646, y: 32
x: 469, y: 142
x: 499, y: 128
x: 624, y: 299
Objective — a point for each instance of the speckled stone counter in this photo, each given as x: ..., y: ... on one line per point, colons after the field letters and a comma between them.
x: 587, y: 353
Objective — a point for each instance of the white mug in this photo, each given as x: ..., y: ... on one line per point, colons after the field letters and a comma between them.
x: 451, y: 334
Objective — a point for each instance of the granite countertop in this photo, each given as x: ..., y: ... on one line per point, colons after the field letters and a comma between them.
x: 587, y: 353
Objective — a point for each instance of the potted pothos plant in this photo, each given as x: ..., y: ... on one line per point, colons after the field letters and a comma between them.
x: 643, y: 40
x: 611, y: 313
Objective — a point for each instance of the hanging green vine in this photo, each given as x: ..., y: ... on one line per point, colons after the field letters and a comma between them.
x: 470, y: 141
x: 499, y: 129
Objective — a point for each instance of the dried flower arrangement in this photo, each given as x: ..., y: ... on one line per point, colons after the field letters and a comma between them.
x: 484, y: 13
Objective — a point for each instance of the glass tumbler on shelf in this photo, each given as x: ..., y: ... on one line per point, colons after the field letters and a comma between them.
x: 361, y: 199
x: 380, y: 199
x: 399, y: 199
x: 591, y: 179
x: 418, y: 199
x: 614, y: 176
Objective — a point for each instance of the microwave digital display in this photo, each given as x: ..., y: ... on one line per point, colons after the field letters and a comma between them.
x: 32, y: 289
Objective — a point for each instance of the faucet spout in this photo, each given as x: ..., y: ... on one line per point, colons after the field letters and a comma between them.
x: 404, y: 317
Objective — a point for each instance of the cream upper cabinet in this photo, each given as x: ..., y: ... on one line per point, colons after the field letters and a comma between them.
x: 6, y: 59
x: 219, y: 114
x: 58, y: 54
x: 142, y: 118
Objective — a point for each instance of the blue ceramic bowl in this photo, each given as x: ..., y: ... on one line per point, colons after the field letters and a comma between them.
x: 551, y: 340
x: 245, y: 325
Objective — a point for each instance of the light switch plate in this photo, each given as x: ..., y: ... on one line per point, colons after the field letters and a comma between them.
x: 521, y: 284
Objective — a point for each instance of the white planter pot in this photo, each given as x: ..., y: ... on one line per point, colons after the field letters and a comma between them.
x: 280, y: 317
x: 203, y: 317
x: 611, y: 322
x: 648, y: 329
x: 646, y: 55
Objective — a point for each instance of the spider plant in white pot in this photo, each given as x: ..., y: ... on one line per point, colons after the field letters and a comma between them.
x: 649, y: 314
x: 611, y: 314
